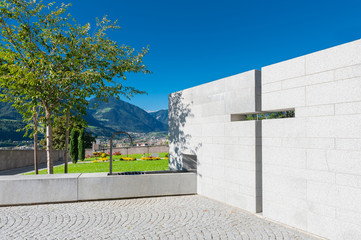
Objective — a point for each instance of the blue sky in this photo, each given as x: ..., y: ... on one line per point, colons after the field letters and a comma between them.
x: 194, y: 42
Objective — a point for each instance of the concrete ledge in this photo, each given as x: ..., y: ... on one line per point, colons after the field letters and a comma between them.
x: 101, y: 186
x: 38, y: 189
x: 92, y: 186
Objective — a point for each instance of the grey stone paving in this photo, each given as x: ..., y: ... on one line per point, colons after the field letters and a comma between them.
x: 182, y: 217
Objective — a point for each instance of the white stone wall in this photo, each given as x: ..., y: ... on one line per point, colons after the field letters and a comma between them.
x: 312, y: 163
x: 200, y: 124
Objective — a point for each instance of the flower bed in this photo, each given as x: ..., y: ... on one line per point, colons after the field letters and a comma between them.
x: 150, y: 158
x: 101, y: 160
x: 128, y: 159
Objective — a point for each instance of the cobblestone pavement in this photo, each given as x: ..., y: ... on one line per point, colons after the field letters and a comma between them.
x: 181, y: 217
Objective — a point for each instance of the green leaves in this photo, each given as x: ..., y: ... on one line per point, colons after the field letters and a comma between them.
x: 49, y: 60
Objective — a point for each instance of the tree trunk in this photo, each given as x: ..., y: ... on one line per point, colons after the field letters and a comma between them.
x: 35, y: 142
x: 49, y: 144
x: 66, y: 152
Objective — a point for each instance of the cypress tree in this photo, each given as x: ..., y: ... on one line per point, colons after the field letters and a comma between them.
x: 81, y: 145
x: 73, y: 148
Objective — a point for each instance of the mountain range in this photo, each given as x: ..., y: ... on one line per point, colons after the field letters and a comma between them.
x: 104, y: 118
x: 161, y: 116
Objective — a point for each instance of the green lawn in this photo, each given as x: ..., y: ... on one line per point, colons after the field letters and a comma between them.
x: 118, y: 166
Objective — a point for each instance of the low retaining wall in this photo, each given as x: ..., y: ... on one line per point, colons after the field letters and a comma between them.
x: 135, y: 150
x: 10, y: 159
x: 92, y: 186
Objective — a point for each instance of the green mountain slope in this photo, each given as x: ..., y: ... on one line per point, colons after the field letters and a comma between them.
x: 9, y: 112
x: 10, y: 121
x: 161, y: 116
x: 8, y: 130
x: 122, y: 116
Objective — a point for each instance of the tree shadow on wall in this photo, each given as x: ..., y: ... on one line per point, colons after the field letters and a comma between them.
x: 179, y: 141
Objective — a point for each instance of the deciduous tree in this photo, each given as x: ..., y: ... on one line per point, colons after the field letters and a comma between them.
x: 49, y: 60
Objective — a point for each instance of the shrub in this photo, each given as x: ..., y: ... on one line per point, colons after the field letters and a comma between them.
x: 73, y: 148
x: 128, y: 159
x: 103, y: 155
x: 167, y: 155
x: 81, y: 145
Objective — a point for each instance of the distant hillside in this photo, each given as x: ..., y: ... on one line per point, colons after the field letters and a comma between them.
x: 121, y: 116
x: 161, y: 116
x: 104, y: 120
x: 10, y: 121
x: 9, y: 112
x: 8, y: 130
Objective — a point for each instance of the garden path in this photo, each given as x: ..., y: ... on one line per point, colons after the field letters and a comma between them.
x: 180, y: 217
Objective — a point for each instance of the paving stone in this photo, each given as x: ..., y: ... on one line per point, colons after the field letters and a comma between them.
x: 181, y: 217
